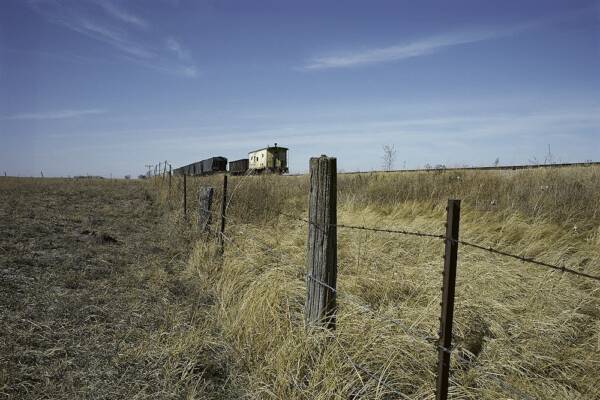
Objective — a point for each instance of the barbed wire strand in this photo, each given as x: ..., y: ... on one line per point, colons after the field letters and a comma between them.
x: 365, y: 228
x: 463, y: 242
x: 530, y: 260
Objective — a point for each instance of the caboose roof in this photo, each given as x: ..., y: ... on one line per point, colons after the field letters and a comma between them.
x: 269, y: 148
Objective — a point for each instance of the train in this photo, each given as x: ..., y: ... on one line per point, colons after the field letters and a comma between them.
x: 267, y: 160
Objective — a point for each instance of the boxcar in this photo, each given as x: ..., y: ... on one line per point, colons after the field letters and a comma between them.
x: 212, y: 165
x: 205, y: 167
x: 238, y: 167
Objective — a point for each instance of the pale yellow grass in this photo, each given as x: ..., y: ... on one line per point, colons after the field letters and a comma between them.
x: 521, y: 331
x: 535, y: 329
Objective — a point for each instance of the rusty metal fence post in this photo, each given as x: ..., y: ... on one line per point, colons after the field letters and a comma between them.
x: 445, y: 339
x: 223, y: 210
x: 321, y: 260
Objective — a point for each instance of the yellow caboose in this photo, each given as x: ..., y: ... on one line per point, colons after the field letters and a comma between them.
x: 272, y: 159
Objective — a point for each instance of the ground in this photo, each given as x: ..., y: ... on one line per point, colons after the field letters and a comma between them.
x: 92, y: 291
x: 108, y: 291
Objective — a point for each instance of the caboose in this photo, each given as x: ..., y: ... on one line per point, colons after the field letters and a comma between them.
x: 272, y: 159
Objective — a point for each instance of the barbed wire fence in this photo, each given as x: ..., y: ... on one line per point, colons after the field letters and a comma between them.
x: 321, y: 272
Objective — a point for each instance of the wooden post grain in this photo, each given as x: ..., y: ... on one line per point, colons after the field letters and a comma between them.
x: 205, y: 197
x: 223, y: 210
x: 447, y: 315
x: 321, y: 259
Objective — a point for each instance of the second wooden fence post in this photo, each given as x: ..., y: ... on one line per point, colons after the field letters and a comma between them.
x: 321, y: 259
x: 445, y: 339
x: 205, y: 197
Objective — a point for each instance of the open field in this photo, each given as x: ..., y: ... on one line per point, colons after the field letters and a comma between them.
x: 94, y: 298
x: 158, y: 315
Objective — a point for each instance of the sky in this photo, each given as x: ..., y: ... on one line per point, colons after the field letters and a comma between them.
x: 106, y: 87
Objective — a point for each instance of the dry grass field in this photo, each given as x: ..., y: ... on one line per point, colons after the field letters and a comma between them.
x: 95, y: 300
x: 157, y: 314
x: 521, y: 331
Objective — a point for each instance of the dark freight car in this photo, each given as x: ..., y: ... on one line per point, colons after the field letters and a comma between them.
x: 205, y: 167
x: 212, y: 165
x: 238, y: 167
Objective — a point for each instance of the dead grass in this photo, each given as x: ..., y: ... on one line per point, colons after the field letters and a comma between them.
x: 95, y: 301
x: 521, y: 330
x: 156, y: 314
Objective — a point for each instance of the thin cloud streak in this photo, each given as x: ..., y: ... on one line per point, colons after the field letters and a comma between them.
x: 413, y: 49
x: 114, y: 30
x: 176, y: 47
x: 123, y: 15
x: 110, y: 36
x: 80, y: 19
x: 62, y: 114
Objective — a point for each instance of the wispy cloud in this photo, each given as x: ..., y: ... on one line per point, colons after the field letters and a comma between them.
x: 114, y: 28
x: 123, y: 15
x: 114, y: 37
x: 79, y: 17
x: 416, y: 48
x: 176, y: 47
x: 61, y: 114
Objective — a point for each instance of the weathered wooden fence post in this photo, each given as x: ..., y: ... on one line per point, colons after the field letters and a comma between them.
x: 205, y: 197
x: 445, y: 339
x: 184, y: 195
x: 223, y: 210
x: 321, y: 259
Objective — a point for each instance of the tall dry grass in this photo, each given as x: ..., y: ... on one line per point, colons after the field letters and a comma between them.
x: 521, y: 331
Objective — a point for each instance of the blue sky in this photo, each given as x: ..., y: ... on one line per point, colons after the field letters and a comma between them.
x: 101, y: 87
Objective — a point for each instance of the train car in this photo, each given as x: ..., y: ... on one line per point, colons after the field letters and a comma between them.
x: 272, y: 159
x: 178, y: 171
x: 238, y: 167
x: 205, y: 167
x: 212, y: 165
